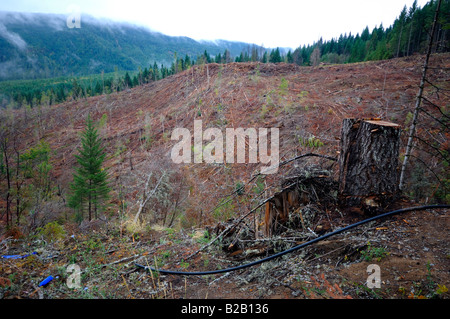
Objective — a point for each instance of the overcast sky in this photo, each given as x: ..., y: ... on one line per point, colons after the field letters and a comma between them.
x: 289, y: 23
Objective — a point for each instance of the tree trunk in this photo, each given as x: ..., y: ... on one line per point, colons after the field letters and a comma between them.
x: 412, y: 129
x: 399, y: 41
x: 90, y: 200
x: 368, y: 163
x: 4, y: 146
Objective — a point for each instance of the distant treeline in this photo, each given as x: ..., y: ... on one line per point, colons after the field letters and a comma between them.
x: 408, y: 35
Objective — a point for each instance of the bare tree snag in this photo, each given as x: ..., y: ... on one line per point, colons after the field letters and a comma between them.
x: 146, y: 197
x: 419, y: 98
x: 277, y: 209
x: 368, y: 163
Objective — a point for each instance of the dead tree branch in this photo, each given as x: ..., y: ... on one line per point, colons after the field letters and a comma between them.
x: 145, y: 197
x: 412, y: 129
x: 237, y: 222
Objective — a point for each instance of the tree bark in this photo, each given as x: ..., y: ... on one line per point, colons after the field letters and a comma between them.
x: 368, y: 163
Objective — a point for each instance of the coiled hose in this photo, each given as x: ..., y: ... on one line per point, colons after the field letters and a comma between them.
x: 315, y: 240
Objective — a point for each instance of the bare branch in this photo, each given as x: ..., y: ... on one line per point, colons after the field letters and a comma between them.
x: 436, y: 106
x: 434, y: 118
x: 145, y: 197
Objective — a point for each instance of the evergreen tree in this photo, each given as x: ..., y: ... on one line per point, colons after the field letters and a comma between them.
x: 254, y: 54
x: 135, y: 81
x: 155, y: 73
x: 187, y: 62
x: 76, y: 90
x: 218, y: 58
x: 275, y: 56
x: 127, y: 80
x: 227, y: 56
x: 145, y: 76
x: 207, y: 57
x: 401, y: 21
x: 60, y: 94
x: 98, y: 88
x: 365, y: 34
x: 264, y: 57
x: 89, y: 188
x: 289, y: 57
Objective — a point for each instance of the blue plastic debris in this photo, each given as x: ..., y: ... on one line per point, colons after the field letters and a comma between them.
x: 17, y: 256
x: 46, y: 281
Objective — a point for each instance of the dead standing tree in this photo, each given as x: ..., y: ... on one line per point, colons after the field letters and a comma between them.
x: 368, y: 163
x: 417, y: 108
x: 5, y: 170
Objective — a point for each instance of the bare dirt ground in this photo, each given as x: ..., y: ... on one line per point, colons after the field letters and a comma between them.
x: 411, y: 250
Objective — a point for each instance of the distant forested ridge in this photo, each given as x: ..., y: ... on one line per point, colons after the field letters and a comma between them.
x: 104, y: 57
x: 35, y: 45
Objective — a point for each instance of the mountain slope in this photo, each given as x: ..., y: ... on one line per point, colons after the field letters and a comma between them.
x: 303, y: 102
x: 34, y: 45
x: 136, y: 127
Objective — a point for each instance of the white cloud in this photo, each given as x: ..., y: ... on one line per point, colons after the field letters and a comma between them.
x: 12, y: 38
x: 272, y: 23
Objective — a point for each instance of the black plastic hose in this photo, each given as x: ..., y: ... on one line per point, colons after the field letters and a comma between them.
x: 315, y: 240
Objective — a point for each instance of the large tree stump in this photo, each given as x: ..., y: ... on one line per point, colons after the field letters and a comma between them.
x: 368, y: 164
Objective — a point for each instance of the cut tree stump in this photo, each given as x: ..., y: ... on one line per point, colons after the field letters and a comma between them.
x: 368, y: 164
x: 304, y: 189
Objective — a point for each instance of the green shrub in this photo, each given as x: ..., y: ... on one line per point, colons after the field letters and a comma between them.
x: 374, y: 252
x: 240, y: 188
x: 224, y: 210
x: 52, y: 231
x: 312, y: 142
